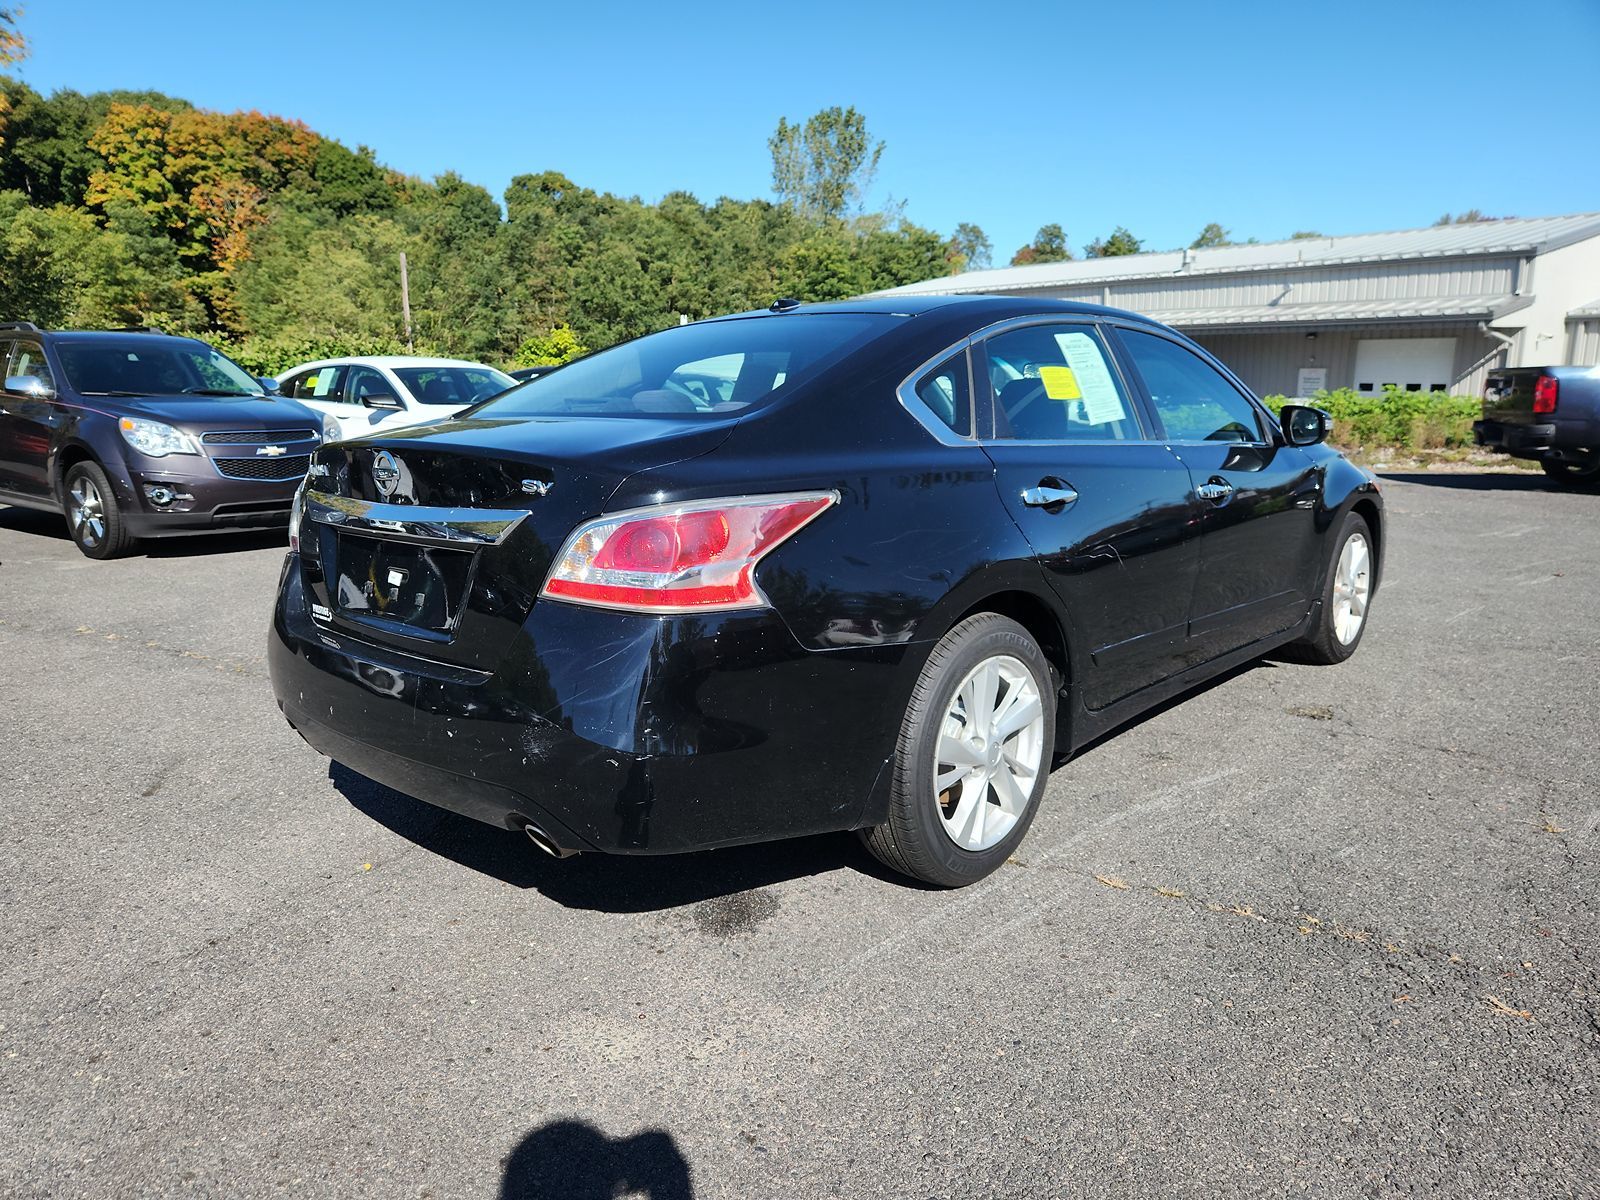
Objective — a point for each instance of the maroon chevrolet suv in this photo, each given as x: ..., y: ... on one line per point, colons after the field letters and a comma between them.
x: 138, y: 434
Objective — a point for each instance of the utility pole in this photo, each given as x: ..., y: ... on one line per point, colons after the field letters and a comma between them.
x: 405, y: 298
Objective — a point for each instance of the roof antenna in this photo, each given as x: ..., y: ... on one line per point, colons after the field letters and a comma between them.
x: 784, y: 304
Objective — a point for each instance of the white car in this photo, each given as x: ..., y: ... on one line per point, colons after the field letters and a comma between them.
x: 390, y: 391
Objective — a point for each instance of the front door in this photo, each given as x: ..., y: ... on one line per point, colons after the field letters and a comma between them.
x: 1259, y: 496
x: 1109, y: 512
x: 27, y: 423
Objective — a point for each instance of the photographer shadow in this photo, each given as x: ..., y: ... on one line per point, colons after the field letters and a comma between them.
x: 571, y: 1160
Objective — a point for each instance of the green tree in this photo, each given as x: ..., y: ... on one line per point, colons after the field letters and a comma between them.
x: 553, y: 348
x: 13, y: 49
x: 1048, y: 245
x: 823, y: 169
x: 1470, y: 217
x: 1301, y: 235
x: 970, y: 249
x: 1118, y: 242
x: 1212, y: 235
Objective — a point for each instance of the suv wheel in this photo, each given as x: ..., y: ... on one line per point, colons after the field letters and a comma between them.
x: 94, y: 518
x: 1571, y: 472
x: 975, y: 750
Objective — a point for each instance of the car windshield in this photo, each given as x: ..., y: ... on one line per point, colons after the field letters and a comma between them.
x: 146, y: 366
x: 710, y: 369
x: 453, y: 385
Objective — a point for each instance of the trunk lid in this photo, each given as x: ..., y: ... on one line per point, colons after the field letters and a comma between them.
x: 435, y: 540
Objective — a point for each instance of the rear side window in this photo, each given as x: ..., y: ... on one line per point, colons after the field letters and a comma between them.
x: 1193, y: 399
x: 1055, y: 383
x: 324, y: 383
x: 709, y: 369
x: 944, y: 392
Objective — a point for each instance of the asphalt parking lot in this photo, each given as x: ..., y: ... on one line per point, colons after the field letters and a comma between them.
x: 1312, y: 930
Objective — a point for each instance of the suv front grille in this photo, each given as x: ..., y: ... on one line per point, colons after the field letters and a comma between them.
x: 289, y: 467
x: 258, y: 437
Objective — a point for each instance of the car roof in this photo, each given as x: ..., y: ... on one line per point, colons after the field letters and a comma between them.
x: 982, y: 309
x: 390, y: 361
x: 113, y: 335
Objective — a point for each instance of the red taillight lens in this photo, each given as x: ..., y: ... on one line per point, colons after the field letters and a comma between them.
x: 1545, y: 392
x: 679, y: 558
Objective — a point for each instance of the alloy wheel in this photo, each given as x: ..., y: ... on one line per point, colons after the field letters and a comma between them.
x: 1352, y: 586
x: 989, y: 752
x: 86, y: 512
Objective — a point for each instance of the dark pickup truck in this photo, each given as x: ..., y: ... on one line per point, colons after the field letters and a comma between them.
x: 1551, y: 414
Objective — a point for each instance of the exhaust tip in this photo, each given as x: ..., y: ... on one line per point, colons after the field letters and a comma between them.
x: 545, y: 842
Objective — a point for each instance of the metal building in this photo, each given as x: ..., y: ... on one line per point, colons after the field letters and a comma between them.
x: 1420, y: 308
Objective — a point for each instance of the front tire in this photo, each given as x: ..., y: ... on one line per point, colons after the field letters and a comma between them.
x: 94, y: 518
x: 1346, y: 595
x: 974, y: 753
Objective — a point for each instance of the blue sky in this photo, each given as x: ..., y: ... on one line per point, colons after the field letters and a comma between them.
x: 1341, y: 117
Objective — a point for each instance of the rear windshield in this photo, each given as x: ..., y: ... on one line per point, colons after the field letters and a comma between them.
x: 149, y: 367
x: 711, y: 369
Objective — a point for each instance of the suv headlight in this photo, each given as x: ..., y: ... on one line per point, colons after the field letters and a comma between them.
x: 156, y: 438
x: 330, y: 428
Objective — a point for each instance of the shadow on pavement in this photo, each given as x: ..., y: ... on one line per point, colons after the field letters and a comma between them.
x: 1479, y: 481
x: 50, y: 525
x: 602, y: 882
x: 570, y: 1160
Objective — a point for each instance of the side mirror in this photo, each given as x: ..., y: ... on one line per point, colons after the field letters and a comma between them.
x: 1303, y: 425
x: 383, y: 400
x: 268, y: 384
x: 31, y: 386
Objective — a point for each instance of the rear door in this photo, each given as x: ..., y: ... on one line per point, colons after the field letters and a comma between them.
x: 1259, y: 544
x: 321, y: 389
x: 1108, y: 511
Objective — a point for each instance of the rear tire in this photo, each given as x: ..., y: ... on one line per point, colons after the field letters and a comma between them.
x: 1573, y: 473
x: 974, y: 753
x: 94, y: 518
x: 1346, y: 595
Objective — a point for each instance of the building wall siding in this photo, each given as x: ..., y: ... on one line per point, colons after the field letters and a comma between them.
x: 1583, y: 342
x: 1270, y: 362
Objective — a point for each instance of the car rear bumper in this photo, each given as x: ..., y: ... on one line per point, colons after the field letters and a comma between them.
x: 1527, y: 440
x: 611, y: 732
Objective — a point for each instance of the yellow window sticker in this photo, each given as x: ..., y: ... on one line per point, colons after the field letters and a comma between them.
x: 1060, y: 383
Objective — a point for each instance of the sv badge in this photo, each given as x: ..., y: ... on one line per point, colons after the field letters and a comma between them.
x: 537, y: 487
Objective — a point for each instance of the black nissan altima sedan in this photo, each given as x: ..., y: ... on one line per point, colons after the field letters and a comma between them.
x: 875, y: 566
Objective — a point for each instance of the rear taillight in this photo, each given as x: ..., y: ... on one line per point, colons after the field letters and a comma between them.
x: 1544, y: 394
x: 679, y: 557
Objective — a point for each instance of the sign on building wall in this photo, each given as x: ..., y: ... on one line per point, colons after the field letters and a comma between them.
x: 1311, y: 381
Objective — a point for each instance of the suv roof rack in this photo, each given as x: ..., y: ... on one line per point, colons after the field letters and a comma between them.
x: 25, y: 326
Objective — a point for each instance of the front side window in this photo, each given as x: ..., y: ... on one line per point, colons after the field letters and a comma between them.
x: 27, y: 358
x: 148, y: 366
x: 1192, y: 398
x: 364, y: 382
x: 708, y: 369
x: 1055, y: 383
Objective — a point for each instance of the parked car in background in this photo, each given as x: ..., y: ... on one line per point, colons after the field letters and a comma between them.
x: 874, y: 565
x: 137, y: 434
x: 1550, y: 414
x: 390, y: 391
x: 523, y: 374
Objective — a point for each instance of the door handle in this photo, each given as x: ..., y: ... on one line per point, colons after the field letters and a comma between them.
x: 1214, y: 490
x: 1044, y: 496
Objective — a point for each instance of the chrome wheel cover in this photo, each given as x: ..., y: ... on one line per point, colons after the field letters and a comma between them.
x: 1352, y: 585
x: 987, y: 758
x: 86, y: 512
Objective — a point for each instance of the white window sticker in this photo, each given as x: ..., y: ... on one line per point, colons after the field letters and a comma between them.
x: 1101, y: 403
x: 324, y: 382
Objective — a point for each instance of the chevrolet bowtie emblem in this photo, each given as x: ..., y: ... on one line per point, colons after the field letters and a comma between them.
x: 271, y: 451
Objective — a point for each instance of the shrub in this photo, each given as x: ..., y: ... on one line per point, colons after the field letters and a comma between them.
x: 1393, y: 418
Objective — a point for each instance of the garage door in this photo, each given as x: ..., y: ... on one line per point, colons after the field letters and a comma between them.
x: 1411, y: 364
